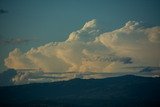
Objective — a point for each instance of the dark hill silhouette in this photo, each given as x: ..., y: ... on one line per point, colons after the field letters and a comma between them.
x: 123, y: 91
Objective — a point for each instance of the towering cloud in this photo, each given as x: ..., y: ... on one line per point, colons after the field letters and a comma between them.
x: 91, y: 51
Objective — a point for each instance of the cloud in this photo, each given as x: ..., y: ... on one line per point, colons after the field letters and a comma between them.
x: 150, y: 69
x: 2, y: 11
x: 133, y: 40
x: 154, y: 34
x: 13, y: 41
x: 90, y: 50
x: 24, y: 77
x: 6, y: 77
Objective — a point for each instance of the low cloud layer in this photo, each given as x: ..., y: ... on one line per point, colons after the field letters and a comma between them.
x: 90, y: 51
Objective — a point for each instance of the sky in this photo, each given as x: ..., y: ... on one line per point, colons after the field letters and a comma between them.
x: 79, y: 37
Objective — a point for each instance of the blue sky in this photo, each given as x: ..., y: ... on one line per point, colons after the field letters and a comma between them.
x: 43, y: 21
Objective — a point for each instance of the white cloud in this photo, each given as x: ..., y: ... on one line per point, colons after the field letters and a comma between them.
x: 134, y: 41
x: 91, y: 50
x: 87, y: 33
x: 154, y: 34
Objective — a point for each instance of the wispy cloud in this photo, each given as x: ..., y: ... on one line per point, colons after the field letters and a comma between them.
x: 14, y: 41
x: 142, y: 69
x: 3, y: 11
x: 150, y: 69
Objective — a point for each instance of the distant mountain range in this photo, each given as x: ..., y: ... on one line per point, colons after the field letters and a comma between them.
x: 123, y: 91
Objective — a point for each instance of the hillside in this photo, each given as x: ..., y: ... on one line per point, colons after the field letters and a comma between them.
x: 129, y: 90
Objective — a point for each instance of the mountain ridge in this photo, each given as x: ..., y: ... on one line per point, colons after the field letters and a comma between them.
x: 128, y: 90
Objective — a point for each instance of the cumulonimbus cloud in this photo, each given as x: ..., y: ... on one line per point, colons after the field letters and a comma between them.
x: 92, y: 50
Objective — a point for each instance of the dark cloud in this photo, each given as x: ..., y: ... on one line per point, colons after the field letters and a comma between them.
x: 143, y: 69
x: 124, y: 60
x: 150, y: 69
x: 6, y: 77
x: 13, y: 41
x: 2, y: 11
